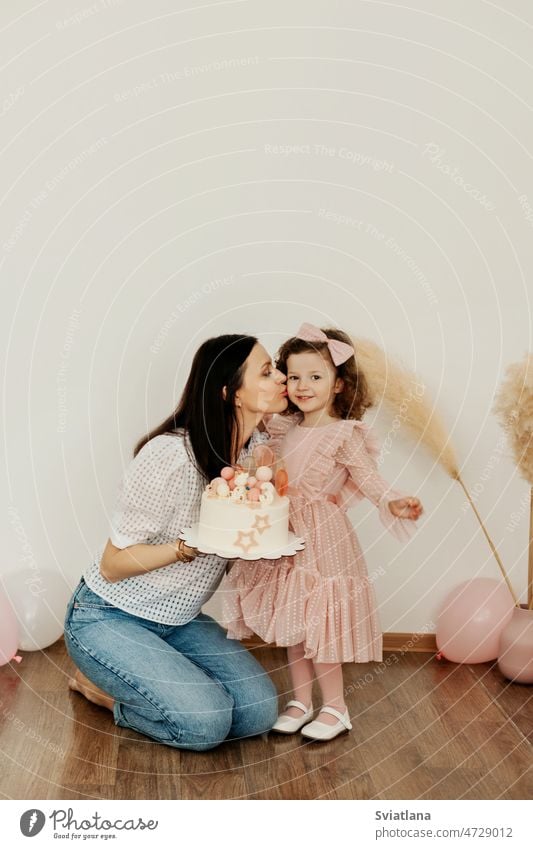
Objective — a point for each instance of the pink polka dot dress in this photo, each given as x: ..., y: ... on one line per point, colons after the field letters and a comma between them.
x: 321, y: 596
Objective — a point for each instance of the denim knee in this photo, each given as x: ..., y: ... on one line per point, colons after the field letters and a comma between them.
x: 261, y: 712
x: 208, y: 739
x: 197, y: 732
x: 200, y: 734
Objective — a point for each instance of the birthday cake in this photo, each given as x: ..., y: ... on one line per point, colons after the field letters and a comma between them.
x: 244, y: 514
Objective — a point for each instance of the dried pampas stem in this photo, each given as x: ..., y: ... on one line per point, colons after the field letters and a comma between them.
x: 405, y: 396
x: 514, y: 408
x: 496, y: 555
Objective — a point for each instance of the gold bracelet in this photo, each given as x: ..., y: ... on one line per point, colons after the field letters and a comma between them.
x: 178, y: 548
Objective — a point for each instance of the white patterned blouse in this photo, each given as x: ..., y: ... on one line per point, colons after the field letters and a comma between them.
x: 159, y: 496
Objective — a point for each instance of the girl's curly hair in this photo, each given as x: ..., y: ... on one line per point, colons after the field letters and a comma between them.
x: 354, y: 399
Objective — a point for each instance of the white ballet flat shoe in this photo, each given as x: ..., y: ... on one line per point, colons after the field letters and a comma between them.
x: 320, y: 731
x: 289, y: 724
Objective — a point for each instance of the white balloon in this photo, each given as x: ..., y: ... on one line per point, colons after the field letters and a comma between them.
x: 39, y: 599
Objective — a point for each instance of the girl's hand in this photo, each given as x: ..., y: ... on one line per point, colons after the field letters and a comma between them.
x: 406, y: 508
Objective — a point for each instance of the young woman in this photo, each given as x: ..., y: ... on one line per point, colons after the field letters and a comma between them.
x: 133, y: 625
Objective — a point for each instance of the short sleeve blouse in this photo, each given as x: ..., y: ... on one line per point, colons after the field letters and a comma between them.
x: 158, y: 496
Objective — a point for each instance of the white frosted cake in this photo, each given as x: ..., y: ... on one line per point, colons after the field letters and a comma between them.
x: 243, y: 514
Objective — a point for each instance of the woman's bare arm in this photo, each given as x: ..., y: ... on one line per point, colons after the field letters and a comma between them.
x: 119, y: 563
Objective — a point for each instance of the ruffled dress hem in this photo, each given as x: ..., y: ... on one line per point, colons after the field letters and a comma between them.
x: 333, y: 618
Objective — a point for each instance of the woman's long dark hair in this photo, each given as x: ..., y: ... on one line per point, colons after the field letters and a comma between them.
x: 209, y: 419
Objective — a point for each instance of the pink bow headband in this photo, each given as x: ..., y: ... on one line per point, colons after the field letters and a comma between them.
x: 340, y: 351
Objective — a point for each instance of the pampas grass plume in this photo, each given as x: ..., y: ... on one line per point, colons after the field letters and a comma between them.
x: 404, y: 395
x: 514, y: 409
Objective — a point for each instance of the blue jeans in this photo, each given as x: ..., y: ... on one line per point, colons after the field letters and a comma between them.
x: 187, y: 686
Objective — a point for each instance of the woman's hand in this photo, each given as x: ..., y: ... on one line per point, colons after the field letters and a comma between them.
x: 406, y: 508
x: 184, y: 553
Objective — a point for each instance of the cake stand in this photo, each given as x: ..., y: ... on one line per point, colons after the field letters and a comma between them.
x: 190, y: 537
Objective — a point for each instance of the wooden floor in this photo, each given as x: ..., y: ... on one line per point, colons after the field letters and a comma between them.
x: 423, y: 729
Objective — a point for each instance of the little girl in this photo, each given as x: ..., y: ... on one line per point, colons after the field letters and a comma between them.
x: 319, y: 603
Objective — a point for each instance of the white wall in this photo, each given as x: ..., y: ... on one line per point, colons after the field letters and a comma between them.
x: 146, y: 207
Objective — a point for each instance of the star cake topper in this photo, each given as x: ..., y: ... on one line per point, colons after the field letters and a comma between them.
x: 262, y: 523
x: 246, y: 546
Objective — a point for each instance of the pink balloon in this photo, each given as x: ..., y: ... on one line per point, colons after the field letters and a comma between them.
x: 515, y: 658
x: 9, y: 632
x: 253, y: 494
x: 252, y: 481
x: 227, y: 473
x: 471, y: 620
x: 231, y: 483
